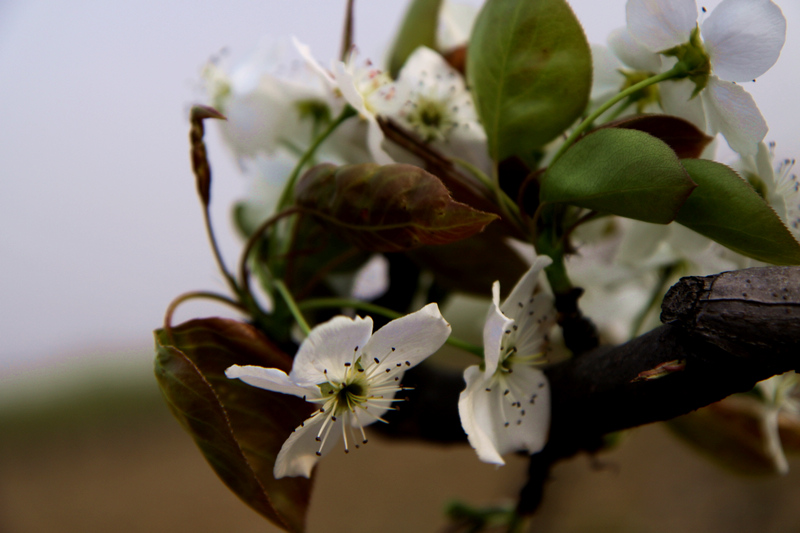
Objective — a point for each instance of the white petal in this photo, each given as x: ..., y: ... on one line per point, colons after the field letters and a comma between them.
x: 772, y: 441
x: 505, y: 415
x: 375, y: 142
x: 455, y: 24
x: 269, y: 379
x: 676, y: 99
x: 476, y: 409
x: 606, y: 78
x: 305, y: 52
x: 731, y: 111
x: 494, y: 331
x: 529, y: 423
x: 632, y: 52
x: 661, y: 24
x: 298, y: 454
x: 744, y: 38
x: 640, y: 242
x: 408, y: 340
x: 523, y: 290
x: 323, y: 354
x: 424, y: 63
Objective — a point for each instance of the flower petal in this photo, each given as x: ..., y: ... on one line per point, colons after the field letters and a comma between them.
x: 305, y: 52
x: 269, y: 379
x: 632, y: 52
x: 323, y: 354
x: 298, y: 454
x: 606, y: 78
x: 375, y: 142
x: 523, y: 291
x: 661, y: 24
x: 494, y: 331
x: 731, y: 111
x: 408, y: 340
x: 505, y: 415
x: 744, y: 38
x: 476, y: 407
x: 529, y: 424
x: 676, y: 99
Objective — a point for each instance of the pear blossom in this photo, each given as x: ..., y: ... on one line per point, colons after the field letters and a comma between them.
x: 368, y: 89
x: 506, y: 404
x: 776, y: 183
x: 352, y: 374
x: 267, y: 106
x: 439, y: 108
x: 777, y: 394
x: 739, y: 41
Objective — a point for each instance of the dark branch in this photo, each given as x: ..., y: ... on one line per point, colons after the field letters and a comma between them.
x: 724, y: 334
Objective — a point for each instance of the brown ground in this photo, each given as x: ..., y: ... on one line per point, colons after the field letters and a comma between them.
x: 122, y: 464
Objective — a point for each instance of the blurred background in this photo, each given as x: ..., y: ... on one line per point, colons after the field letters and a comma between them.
x: 101, y: 228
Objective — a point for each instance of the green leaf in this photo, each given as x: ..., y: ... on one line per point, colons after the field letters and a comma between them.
x: 727, y: 209
x: 685, y: 139
x: 418, y: 29
x: 390, y: 208
x: 238, y: 428
x: 530, y: 70
x: 620, y: 171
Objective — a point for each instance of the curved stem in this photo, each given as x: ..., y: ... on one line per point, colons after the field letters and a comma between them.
x: 217, y: 253
x: 287, y: 297
x: 508, y: 207
x: 678, y: 70
x: 196, y: 295
x: 286, y: 195
x: 255, y: 238
x: 326, y: 303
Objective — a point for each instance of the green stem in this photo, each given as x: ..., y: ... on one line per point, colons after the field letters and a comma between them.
x: 288, y: 190
x: 678, y: 70
x: 287, y: 297
x: 506, y: 204
x: 244, y: 275
x: 327, y: 303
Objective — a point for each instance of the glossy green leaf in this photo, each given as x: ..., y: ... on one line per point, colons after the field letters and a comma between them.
x: 417, y: 29
x: 727, y: 209
x: 530, y: 70
x: 390, y: 208
x: 620, y: 171
x: 238, y: 428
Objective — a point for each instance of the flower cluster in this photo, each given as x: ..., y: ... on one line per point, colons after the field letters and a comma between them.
x: 483, y: 156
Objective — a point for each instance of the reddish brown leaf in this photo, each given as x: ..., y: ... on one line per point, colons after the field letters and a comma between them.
x: 391, y: 208
x: 238, y: 428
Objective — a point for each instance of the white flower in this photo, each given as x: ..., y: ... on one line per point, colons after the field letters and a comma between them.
x: 506, y: 405
x: 777, y: 396
x: 366, y: 88
x: 741, y: 39
x: 439, y: 108
x: 775, y: 183
x: 455, y: 24
x: 352, y: 374
x: 265, y: 110
x: 624, y: 63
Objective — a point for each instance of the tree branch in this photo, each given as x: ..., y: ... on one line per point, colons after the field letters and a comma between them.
x: 724, y: 333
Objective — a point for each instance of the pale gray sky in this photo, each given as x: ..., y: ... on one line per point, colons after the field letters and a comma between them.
x: 100, y: 224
